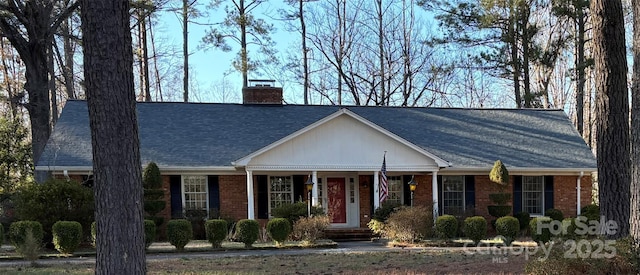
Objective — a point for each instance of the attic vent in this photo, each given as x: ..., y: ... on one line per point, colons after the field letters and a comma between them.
x: 262, y: 91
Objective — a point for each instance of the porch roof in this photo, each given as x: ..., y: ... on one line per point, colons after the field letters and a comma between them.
x: 213, y: 136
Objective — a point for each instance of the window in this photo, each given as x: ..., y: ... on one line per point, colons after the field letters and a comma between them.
x: 533, y: 195
x: 395, y: 190
x: 280, y: 191
x: 321, y: 198
x: 453, y: 195
x: 195, y: 192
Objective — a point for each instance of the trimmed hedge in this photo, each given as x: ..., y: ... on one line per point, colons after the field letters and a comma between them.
x: 67, y: 236
x: 591, y: 211
x: 18, y: 232
x: 475, y: 228
x: 544, y: 235
x: 216, y: 231
x: 554, y: 214
x: 524, y: 218
x: 247, y: 232
x: 384, y: 211
x: 446, y: 226
x: 279, y: 229
x: 508, y: 227
x: 179, y: 233
x: 149, y: 232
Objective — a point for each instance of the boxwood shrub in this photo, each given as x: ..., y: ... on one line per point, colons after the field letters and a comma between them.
x: 475, y: 228
x: 149, y: 232
x: 446, y: 226
x: 67, y: 236
x: 247, y: 231
x: 524, y: 218
x: 508, y: 227
x: 279, y: 229
x: 544, y: 235
x: 554, y: 214
x: 591, y: 211
x: 179, y: 233
x: 18, y: 232
x: 216, y: 231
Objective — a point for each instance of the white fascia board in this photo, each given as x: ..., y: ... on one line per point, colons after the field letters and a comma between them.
x: 518, y: 170
x: 245, y: 160
x: 60, y: 169
x: 166, y: 170
x: 341, y: 168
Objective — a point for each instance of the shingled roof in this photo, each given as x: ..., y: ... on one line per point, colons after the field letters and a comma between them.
x: 215, y: 135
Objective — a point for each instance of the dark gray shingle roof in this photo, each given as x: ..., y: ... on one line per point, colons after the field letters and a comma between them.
x: 195, y: 134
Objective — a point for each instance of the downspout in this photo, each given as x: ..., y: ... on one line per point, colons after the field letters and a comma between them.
x: 66, y: 175
x: 578, y: 189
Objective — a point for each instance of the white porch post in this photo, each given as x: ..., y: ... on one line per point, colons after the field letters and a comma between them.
x: 578, y: 183
x: 250, y: 198
x: 376, y: 190
x: 314, y: 191
x: 434, y: 187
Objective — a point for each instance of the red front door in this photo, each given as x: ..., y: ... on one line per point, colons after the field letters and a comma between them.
x: 337, y: 205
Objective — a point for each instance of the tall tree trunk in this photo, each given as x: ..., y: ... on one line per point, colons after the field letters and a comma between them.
x: 381, y: 34
x: 244, y: 59
x: 39, y: 106
x: 67, y: 69
x: 52, y: 85
x: 580, y: 68
x: 526, y: 39
x: 108, y: 68
x: 612, y: 109
x: 185, y: 50
x: 515, y: 61
x: 305, y: 58
x: 145, y: 55
x: 155, y: 63
x: 634, y: 218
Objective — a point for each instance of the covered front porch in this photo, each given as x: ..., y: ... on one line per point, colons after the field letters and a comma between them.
x: 342, y: 156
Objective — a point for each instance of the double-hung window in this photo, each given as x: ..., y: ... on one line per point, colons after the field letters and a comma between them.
x: 533, y: 195
x: 453, y: 195
x: 195, y: 192
x: 395, y: 191
x: 280, y: 191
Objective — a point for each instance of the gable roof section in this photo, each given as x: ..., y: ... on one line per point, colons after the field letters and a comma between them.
x: 212, y: 136
x: 353, y: 140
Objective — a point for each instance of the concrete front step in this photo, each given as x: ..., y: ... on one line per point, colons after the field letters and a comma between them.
x: 348, y: 234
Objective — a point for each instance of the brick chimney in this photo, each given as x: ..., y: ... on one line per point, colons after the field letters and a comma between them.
x: 262, y: 91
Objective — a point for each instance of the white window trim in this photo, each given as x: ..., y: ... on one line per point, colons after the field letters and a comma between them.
x: 464, y: 192
x: 269, y: 190
x: 183, y: 191
x: 402, y: 198
x: 522, y: 207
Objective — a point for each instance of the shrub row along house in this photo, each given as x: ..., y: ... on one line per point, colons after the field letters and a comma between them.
x: 242, y: 160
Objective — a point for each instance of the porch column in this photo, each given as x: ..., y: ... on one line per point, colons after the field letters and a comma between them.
x: 250, y: 198
x: 314, y: 191
x: 434, y: 187
x: 376, y: 190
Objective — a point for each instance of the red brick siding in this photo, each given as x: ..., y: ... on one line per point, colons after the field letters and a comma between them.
x: 364, y: 190
x: 233, y: 196
x: 565, y: 194
x: 423, y: 194
x: 483, y: 187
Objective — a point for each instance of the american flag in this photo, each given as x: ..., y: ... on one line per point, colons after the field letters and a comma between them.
x: 384, y: 191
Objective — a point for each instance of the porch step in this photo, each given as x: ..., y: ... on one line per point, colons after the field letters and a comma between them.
x: 348, y: 234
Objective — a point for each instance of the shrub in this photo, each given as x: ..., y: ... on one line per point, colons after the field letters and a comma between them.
x: 31, y: 247
x: 67, y: 236
x: 94, y: 231
x: 149, y: 232
x: 55, y: 200
x: 446, y: 226
x: 523, y: 219
x: 475, y: 228
x: 294, y: 211
x: 554, y: 214
x: 591, y: 211
x: 376, y: 226
x: 247, y: 232
x: 310, y: 229
x: 500, y: 198
x: 508, y: 227
x: 384, y: 211
x: 179, y: 233
x: 543, y: 235
x: 216, y: 231
x: 18, y: 231
x: 1, y: 234
x: 569, y: 228
x: 151, y: 178
x: 279, y: 229
x: 499, y: 210
x: 409, y: 224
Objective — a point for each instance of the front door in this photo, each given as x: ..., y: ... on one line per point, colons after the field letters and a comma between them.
x: 337, y: 204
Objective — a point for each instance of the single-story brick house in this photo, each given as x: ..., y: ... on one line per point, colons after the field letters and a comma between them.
x: 245, y: 159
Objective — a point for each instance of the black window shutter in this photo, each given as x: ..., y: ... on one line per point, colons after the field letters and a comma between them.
x: 263, y: 196
x: 175, y: 187
x: 517, y: 194
x: 214, y: 192
x: 440, y: 202
x: 298, y: 187
x: 371, y: 195
x: 469, y: 192
x: 406, y: 190
x: 548, y: 192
